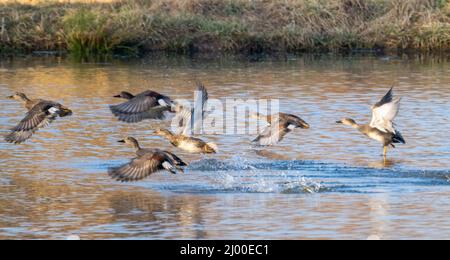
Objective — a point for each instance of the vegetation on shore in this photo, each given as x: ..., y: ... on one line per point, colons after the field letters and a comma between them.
x: 226, y: 26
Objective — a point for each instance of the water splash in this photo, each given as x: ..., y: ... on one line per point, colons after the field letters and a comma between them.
x: 240, y: 164
x: 262, y: 183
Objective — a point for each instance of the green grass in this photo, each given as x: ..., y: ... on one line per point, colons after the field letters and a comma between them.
x: 225, y: 26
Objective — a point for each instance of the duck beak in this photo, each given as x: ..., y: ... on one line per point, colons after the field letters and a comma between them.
x: 121, y: 141
x: 117, y: 96
x: 10, y: 97
x: 65, y: 112
x: 68, y: 111
x: 339, y: 122
x: 305, y: 126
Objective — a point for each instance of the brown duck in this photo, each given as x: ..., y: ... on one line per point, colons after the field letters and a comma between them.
x: 147, y: 162
x: 279, y: 126
x: 187, y: 143
x: 146, y: 105
x: 381, y: 127
x: 40, y: 114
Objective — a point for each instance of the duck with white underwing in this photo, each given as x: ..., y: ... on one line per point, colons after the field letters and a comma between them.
x: 381, y: 128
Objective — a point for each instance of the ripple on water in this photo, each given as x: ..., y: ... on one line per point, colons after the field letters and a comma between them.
x: 326, y: 171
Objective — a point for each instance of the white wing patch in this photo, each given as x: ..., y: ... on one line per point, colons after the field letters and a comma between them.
x: 291, y: 127
x: 168, y: 166
x: 53, y: 110
x: 383, y: 117
x: 162, y: 102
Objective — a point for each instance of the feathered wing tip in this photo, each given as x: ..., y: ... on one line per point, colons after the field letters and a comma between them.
x: 129, y: 118
x: 115, y: 109
x: 201, y: 90
x: 18, y: 137
x: 384, y: 113
x: 136, y: 118
x: 28, y: 127
x: 398, y: 138
x: 115, y: 173
x: 387, y: 98
x: 126, y: 173
x: 156, y: 113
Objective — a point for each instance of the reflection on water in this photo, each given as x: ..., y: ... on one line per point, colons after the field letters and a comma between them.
x: 384, y: 163
x: 325, y: 182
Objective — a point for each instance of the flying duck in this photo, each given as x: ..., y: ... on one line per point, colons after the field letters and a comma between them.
x: 187, y: 143
x: 40, y: 114
x: 381, y: 127
x: 146, y: 105
x: 147, y: 162
x: 279, y: 126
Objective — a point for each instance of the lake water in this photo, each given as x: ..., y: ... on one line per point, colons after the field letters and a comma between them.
x: 328, y: 182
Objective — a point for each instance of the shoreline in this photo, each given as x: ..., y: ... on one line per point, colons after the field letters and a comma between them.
x: 237, y: 27
x: 221, y: 55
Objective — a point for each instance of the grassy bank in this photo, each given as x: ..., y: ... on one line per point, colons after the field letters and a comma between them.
x: 230, y: 26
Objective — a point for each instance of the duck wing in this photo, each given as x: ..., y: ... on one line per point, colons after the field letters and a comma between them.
x: 137, y: 169
x: 189, y: 119
x: 40, y: 116
x: 145, y: 165
x: 272, y: 134
x: 384, y: 113
x: 153, y: 113
x: 147, y: 105
x: 202, y: 94
x: 183, y: 122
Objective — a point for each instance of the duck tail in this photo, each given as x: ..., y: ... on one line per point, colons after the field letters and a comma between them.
x: 398, y: 138
x: 212, y: 148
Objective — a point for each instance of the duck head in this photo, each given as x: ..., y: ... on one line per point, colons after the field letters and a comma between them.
x: 125, y: 95
x: 347, y: 121
x: 64, y: 111
x: 163, y: 133
x: 19, y: 96
x: 302, y: 124
x: 130, y: 141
